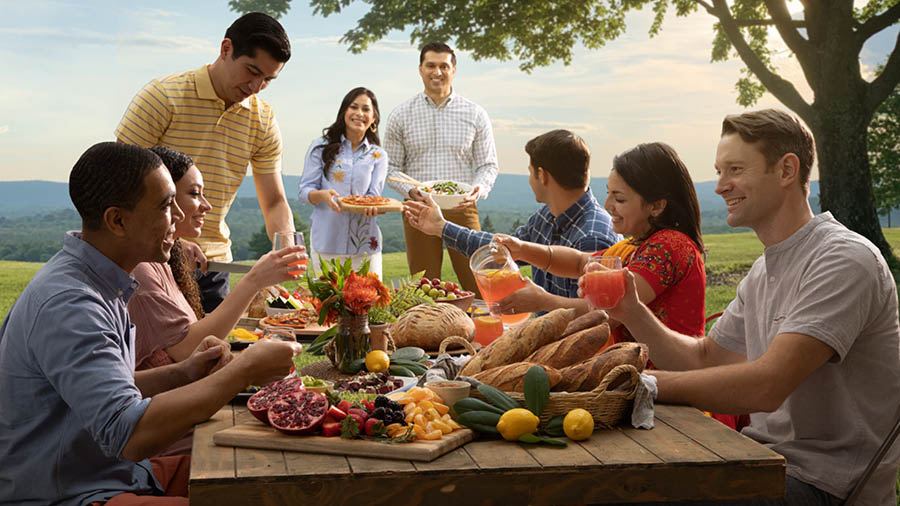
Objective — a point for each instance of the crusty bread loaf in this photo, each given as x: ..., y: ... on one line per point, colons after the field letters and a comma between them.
x: 585, y: 376
x: 511, y: 377
x: 573, y: 349
x: 585, y: 321
x: 426, y: 326
x: 519, y: 342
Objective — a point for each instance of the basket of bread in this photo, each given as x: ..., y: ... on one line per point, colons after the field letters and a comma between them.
x: 567, y: 349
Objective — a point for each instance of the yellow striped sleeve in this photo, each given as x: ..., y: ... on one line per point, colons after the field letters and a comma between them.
x: 147, y: 116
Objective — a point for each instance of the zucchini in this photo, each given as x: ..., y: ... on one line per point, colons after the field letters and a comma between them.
x: 498, y: 398
x: 473, y: 404
x: 413, y: 353
x: 537, y: 389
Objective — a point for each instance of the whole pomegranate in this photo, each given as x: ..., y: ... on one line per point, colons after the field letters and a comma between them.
x: 298, y: 412
x: 260, y: 402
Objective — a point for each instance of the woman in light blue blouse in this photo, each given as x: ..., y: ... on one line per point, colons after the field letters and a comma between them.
x: 346, y: 160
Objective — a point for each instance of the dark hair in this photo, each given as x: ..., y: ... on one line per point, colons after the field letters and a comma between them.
x: 437, y: 47
x: 778, y: 134
x: 333, y: 132
x: 109, y: 174
x: 257, y: 30
x: 564, y: 155
x: 655, y: 172
x: 178, y: 164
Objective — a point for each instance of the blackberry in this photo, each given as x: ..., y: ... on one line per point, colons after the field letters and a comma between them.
x: 394, y: 405
x: 396, y: 416
x: 380, y: 413
x: 382, y: 402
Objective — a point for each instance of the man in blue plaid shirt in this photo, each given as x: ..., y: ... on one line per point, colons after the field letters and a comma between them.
x: 559, y: 173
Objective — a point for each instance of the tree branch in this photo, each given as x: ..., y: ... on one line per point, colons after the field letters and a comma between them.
x: 797, y: 23
x: 783, y: 22
x: 883, y: 85
x: 879, y: 22
x: 781, y: 88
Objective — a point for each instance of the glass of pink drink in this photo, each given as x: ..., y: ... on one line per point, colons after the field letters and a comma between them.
x: 604, y: 282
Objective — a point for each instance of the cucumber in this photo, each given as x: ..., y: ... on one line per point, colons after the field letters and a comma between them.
x: 399, y: 370
x: 415, y: 367
x: 482, y: 421
x: 480, y: 417
x: 498, y: 398
x: 406, y: 363
x: 473, y: 404
x: 413, y: 353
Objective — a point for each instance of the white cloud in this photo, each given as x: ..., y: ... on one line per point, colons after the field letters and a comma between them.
x: 532, y: 127
x: 77, y: 36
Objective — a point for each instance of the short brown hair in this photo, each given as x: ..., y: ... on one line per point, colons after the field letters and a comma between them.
x: 778, y: 134
x: 564, y: 155
x: 437, y: 47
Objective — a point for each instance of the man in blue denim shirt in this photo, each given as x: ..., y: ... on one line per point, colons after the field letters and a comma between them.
x: 77, y: 424
x: 559, y: 173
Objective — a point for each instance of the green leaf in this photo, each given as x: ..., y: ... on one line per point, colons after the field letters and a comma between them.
x: 349, y: 428
x: 554, y: 426
x: 535, y: 439
x: 537, y: 389
x: 529, y: 438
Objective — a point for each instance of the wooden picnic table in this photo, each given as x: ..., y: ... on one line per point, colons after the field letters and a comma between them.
x: 686, y: 456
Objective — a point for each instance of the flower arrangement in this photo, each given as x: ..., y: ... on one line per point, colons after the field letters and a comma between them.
x: 340, y: 290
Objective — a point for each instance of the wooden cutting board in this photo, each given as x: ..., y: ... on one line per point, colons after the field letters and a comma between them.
x: 256, y: 435
x: 392, y: 206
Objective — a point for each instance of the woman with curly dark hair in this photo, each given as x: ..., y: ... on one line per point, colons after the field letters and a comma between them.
x: 346, y: 160
x: 166, y: 308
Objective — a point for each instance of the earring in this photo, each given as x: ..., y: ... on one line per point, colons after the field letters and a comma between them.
x: 374, y: 128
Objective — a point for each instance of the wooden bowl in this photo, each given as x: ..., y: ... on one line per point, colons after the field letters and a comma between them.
x: 461, y: 302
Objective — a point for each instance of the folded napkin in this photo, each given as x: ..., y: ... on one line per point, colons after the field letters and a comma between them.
x: 445, y: 367
x: 642, y: 412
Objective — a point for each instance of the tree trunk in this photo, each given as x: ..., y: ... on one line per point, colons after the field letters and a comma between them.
x: 845, y: 184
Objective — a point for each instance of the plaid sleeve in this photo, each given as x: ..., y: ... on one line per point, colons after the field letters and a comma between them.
x: 267, y: 159
x: 396, y: 152
x: 147, y: 117
x: 484, y: 154
x: 465, y: 240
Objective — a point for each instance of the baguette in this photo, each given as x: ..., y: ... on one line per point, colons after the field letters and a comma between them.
x: 585, y: 376
x: 511, y: 377
x: 573, y: 349
x: 585, y: 321
x: 515, y: 345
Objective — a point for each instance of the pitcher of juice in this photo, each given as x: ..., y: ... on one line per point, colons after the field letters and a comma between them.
x: 497, y: 276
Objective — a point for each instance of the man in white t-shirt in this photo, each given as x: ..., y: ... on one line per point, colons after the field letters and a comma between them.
x: 810, y: 346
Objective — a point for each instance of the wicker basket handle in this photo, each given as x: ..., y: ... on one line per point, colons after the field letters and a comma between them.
x: 456, y: 340
x: 615, y: 373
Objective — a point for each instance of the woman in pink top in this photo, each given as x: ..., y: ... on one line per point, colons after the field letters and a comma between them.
x: 166, y: 308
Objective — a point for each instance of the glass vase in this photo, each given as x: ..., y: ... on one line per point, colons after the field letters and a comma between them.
x: 351, y: 343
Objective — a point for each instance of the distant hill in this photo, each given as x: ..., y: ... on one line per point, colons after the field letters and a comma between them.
x: 511, y: 193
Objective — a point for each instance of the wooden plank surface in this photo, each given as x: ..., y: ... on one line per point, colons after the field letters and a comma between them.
x: 209, y: 461
x: 492, y: 454
x: 254, y: 434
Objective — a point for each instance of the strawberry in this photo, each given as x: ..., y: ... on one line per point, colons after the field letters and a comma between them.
x: 360, y: 419
x: 370, y: 426
x: 336, y: 414
x: 370, y: 406
x: 344, y: 406
x: 331, y: 429
x: 360, y: 412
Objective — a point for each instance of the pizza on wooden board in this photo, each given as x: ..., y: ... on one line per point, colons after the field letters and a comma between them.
x: 298, y: 319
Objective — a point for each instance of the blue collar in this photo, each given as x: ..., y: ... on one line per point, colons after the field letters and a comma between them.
x: 117, y: 280
x: 364, y: 144
x: 575, y: 210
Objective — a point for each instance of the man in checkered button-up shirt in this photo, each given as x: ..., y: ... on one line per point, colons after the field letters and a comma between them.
x: 439, y: 135
x: 559, y: 174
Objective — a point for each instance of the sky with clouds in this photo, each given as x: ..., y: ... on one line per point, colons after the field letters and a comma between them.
x: 71, y: 68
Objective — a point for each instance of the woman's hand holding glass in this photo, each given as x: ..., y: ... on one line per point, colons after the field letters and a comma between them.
x: 289, y: 250
x: 603, y: 282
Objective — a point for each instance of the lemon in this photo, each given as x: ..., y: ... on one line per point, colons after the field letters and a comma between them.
x: 517, y: 422
x: 377, y: 361
x: 578, y: 424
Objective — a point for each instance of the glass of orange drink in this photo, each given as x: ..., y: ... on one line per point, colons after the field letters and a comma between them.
x: 289, y: 238
x: 497, y: 276
x: 488, y: 323
x: 604, y: 281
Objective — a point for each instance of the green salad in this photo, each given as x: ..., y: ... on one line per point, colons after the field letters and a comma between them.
x: 444, y: 188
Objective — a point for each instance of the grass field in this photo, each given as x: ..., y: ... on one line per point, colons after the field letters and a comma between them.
x: 728, y: 258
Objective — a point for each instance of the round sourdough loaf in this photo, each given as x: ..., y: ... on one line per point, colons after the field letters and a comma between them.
x: 426, y: 326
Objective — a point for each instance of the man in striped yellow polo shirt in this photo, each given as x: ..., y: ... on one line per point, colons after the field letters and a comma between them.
x: 214, y: 115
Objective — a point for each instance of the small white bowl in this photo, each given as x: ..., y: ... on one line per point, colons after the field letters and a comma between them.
x: 450, y: 391
x: 448, y: 201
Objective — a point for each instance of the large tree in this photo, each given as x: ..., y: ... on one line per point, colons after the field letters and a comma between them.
x: 884, y: 154
x: 826, y: 41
